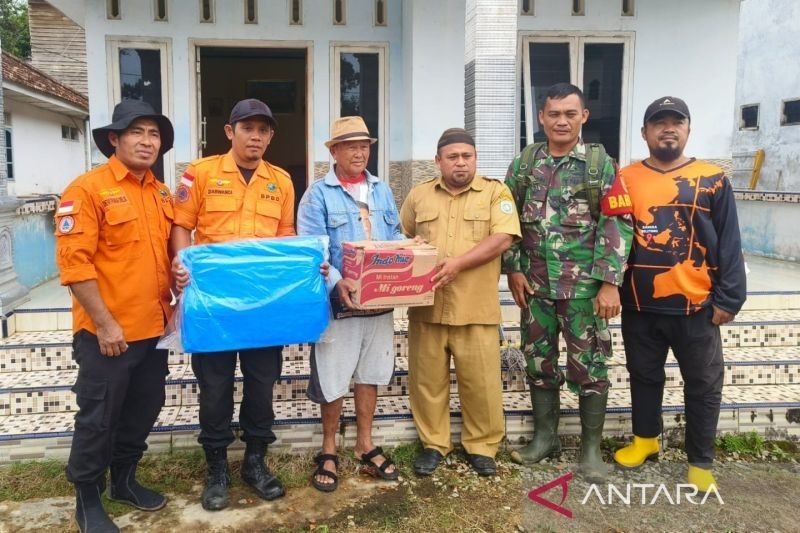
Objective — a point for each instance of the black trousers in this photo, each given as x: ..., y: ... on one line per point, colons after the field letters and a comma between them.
x: 697, y: 345
x: 119, y: 399
x: 215, y: 371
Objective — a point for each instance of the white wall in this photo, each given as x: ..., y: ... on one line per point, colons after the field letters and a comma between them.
x: 44, y: 163
x: 433, y: 48
x: 684, y: 48
x: 769, y: 72
x: 137, y: 20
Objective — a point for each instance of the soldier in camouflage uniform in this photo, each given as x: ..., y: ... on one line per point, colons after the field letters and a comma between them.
x: 565, y: 273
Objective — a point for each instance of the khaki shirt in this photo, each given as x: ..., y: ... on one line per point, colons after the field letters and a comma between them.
x: 455, y: 224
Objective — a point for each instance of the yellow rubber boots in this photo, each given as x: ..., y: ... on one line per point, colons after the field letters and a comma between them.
x: 701, y: 478
x: 637, y: 452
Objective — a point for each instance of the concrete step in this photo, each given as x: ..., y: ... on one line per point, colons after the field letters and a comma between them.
x: 52, y: 350
x: 28, y: 319
x: 770, y: 409
x: 49, y: 391
x: 756, y: 301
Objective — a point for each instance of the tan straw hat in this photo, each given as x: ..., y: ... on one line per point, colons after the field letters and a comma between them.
x: 349, y: 129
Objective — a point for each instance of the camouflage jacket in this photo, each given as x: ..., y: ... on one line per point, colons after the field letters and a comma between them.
x: 564, y: 251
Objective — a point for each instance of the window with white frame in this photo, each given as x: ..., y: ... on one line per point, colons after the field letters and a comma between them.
x: 141, y: 70
x: 296, y: 12
x: 600, y: 66
x: 359, y: 83
x: 339, y: 12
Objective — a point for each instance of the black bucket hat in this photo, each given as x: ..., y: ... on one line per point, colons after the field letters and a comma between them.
x: 124, y: 114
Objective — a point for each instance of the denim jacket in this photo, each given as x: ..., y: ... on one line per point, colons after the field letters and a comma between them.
x: 327, y: 209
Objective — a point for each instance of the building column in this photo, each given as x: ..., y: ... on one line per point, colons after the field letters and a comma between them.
x: 491, y: 82
x: 12, y: 293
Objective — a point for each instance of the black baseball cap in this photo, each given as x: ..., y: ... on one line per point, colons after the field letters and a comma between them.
x: 252, y: 107
x: 667, y: 103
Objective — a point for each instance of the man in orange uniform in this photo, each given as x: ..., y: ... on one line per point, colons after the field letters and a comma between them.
x: 112, y: 227
x: 224, y: 198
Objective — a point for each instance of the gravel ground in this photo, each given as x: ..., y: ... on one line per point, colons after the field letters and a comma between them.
x: 751, y: 496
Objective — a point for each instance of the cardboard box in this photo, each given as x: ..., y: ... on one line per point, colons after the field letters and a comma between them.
x: 390, y: 273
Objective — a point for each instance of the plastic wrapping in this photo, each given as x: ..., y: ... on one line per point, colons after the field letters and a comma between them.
x: 253, y: 294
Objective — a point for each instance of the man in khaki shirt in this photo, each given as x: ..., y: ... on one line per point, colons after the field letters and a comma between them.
x: 472, y: 221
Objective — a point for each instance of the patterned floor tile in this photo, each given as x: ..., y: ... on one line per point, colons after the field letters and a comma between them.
x: 26, y: 338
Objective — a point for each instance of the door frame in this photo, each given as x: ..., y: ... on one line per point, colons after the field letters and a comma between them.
x: 195, y: 98
x: 576, y: 40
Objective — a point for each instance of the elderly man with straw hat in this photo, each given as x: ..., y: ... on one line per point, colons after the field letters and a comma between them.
x: 350, y: 204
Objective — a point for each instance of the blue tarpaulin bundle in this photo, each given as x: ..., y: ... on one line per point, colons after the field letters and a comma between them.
x: 254, y: 293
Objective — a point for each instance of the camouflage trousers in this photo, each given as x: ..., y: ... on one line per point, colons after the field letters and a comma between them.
x: 588, y: 344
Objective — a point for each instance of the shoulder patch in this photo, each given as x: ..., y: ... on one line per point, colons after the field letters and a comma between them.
x: 617, y: 201
x: 182, y: 194
x: 187, y: 180
x: 66, y: 224
x: 67, y: 207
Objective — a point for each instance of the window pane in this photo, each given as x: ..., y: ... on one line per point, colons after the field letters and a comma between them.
x: 526, y: 7
x: 296, y: 17
x: 549, y: 65
x: 9, y: 156
x: 360, y: 94
x: 380, y: 13
x: 140, y: 79
x: 628, y: 8
x: 161, y: 10
x: 602, y: 86
x: 140, y: 75
x: 112, y: 9
x: 791, y: 112
x: 749, y: 117
x: 338, y: 12
x: 250, y: 11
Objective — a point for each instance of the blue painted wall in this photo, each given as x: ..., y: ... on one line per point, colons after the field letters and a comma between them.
x: 770, y: 228
x: 34, y: 248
